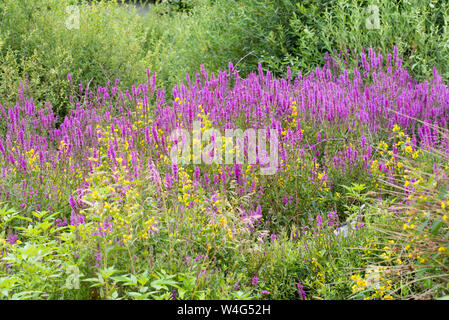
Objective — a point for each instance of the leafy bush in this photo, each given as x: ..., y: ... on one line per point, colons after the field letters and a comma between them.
x: 299, y: 34
x: 42, y: 44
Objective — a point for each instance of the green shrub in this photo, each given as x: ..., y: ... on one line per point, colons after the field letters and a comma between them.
x: 299, y: 34
x: 42, y: 44
x: 180, y: 42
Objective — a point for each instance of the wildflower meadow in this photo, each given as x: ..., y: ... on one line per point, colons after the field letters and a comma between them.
x: 325, y: 177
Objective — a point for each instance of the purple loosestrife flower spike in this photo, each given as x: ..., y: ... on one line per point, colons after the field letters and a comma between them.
x: 301, y: 292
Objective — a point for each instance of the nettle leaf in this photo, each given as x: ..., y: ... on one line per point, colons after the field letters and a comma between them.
x: 121, y: 279
x: 20, y: 218
x: 108, y: 272
x: 139, y: 296
x: 143, y: 280
x: 97, y: 281
x: 38, y: 214
x: 163, y: 283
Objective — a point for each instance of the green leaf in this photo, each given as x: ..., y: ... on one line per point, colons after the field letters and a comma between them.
x: 108, y: 272
x: 436, y: 227
x: 120, y: 279
x: 163, y: 283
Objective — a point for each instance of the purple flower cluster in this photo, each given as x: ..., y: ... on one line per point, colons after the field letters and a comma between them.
x: 50, y: 158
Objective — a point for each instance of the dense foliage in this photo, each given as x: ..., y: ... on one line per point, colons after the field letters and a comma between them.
x: 175, y: 37
x: 100, y: 193
x: 92, y: 205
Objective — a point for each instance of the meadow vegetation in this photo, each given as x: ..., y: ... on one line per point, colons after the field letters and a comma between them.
x: 92, y: 206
